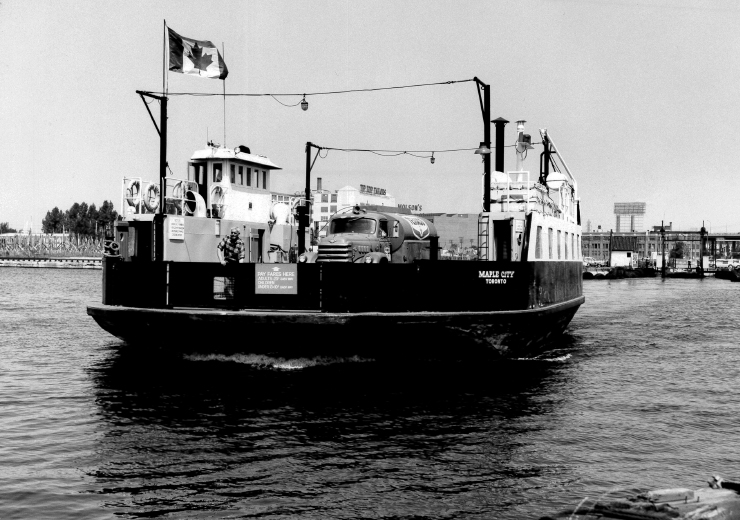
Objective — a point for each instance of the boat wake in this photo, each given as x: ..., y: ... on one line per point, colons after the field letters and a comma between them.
x: 275, y: 363
x: 542, y: 357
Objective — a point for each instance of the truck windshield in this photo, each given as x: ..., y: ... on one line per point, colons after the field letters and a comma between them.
x: 352, y: 225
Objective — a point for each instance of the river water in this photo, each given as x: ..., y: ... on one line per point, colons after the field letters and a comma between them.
x: 641, y: 392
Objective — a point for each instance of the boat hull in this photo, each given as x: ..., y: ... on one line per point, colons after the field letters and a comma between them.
x: 300, y: 334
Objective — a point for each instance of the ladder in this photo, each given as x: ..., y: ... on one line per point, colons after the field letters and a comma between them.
x: 484, y: 223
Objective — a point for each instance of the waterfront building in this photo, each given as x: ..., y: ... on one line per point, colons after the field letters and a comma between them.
x: 629, y: 216
x: 599, y: 245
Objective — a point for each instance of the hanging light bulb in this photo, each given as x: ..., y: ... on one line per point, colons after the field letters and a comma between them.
x: 304, y: 103
x: 432, y: 159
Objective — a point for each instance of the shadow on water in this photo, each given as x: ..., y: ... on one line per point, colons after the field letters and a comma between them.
x: 225, y: 434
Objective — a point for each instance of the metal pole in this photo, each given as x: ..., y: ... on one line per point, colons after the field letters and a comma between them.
x: 303, y: 213
x: 159, y: 217
x: 662, y: 245
x: 162, y: 150
x: 702, y: 239
x: 487, y: 140
x: 611, y: 235
x: 485, y: 101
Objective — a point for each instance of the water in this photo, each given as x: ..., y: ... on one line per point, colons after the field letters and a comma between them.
x: 642, y: 392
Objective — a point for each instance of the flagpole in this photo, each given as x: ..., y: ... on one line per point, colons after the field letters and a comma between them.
x: 223, y: 50
x: 165, y: 58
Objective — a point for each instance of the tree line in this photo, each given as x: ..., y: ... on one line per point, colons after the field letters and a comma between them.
x: 81, y: 219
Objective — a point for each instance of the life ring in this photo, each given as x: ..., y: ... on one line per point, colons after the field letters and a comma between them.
x: 178, y: 193
x: 133, y: 200
x: 151, y: 200
x: 217, y: 194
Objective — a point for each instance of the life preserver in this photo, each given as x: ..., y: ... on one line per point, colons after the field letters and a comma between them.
x: 178, y: 192
x: 217, y: 194
x: 151, y: 200
x: 133, y: 200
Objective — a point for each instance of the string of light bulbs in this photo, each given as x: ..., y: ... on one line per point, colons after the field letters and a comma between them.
x: 303, y: 103
x: 396, y: 153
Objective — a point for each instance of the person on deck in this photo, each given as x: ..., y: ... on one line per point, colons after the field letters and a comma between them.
x: 231, y: 248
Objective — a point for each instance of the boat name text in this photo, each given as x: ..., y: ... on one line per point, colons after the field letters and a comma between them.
x: 496, y: 277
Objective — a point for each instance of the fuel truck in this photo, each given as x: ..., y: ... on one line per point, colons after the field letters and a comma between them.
x: 375, y: 235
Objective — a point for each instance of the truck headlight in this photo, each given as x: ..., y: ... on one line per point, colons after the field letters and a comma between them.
x: 368, y: 259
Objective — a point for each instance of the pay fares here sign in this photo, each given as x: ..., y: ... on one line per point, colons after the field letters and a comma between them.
x: 276, y: 279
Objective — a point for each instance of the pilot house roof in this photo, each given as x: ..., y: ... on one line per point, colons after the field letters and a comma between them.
x: 234, y: 154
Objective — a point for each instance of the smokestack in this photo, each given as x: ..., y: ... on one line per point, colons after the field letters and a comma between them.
x: 318, y: 183
x: 500, y: 123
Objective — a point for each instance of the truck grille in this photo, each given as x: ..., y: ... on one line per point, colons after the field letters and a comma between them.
x: 334, y: 253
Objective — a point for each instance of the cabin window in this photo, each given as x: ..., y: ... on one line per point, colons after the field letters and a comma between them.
x: 538, y: 243
x: 324, y: 209
x: 233, y: 174
x: 333, y: 209
x: 324, y: 197
x: 383, y: 228
x: 334, y: 197
x: 264, y: 179
x: 257, y: 175
x: 249, y: 176
x: 217, y: 173
x: 566, y: 245
x: 241, y: 175
x: 559, y: 236
x: 549, y: 242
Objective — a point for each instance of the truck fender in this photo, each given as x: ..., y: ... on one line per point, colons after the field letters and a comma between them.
x: 310, y: 257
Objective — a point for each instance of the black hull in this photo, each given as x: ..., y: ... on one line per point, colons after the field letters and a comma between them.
x: 301, y: 334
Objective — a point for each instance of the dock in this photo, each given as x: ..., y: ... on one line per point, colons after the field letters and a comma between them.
x: 69, y: 262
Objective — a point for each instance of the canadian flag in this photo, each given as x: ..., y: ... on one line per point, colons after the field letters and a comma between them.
x: 200, y: 58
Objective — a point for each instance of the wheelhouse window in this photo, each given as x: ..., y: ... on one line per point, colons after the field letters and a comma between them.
x: 566, y: 245
x: 249, y: 176
x: 549, y: 242
x: 264, y: 179
x: 241, y: 175
x: 353, y: 225
x: 257, y: 175
x: 217, y: 172
x: 233, y: 174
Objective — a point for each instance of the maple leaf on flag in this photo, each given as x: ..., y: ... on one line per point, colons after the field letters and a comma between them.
x: 200, y: 61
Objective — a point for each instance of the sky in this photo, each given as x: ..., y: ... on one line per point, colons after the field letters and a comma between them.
x: 639, y: 96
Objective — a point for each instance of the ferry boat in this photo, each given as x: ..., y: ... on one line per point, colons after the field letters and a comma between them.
x: 163, y: 286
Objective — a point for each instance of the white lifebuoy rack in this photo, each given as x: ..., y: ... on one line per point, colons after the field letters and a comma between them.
x: 176, y: 196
